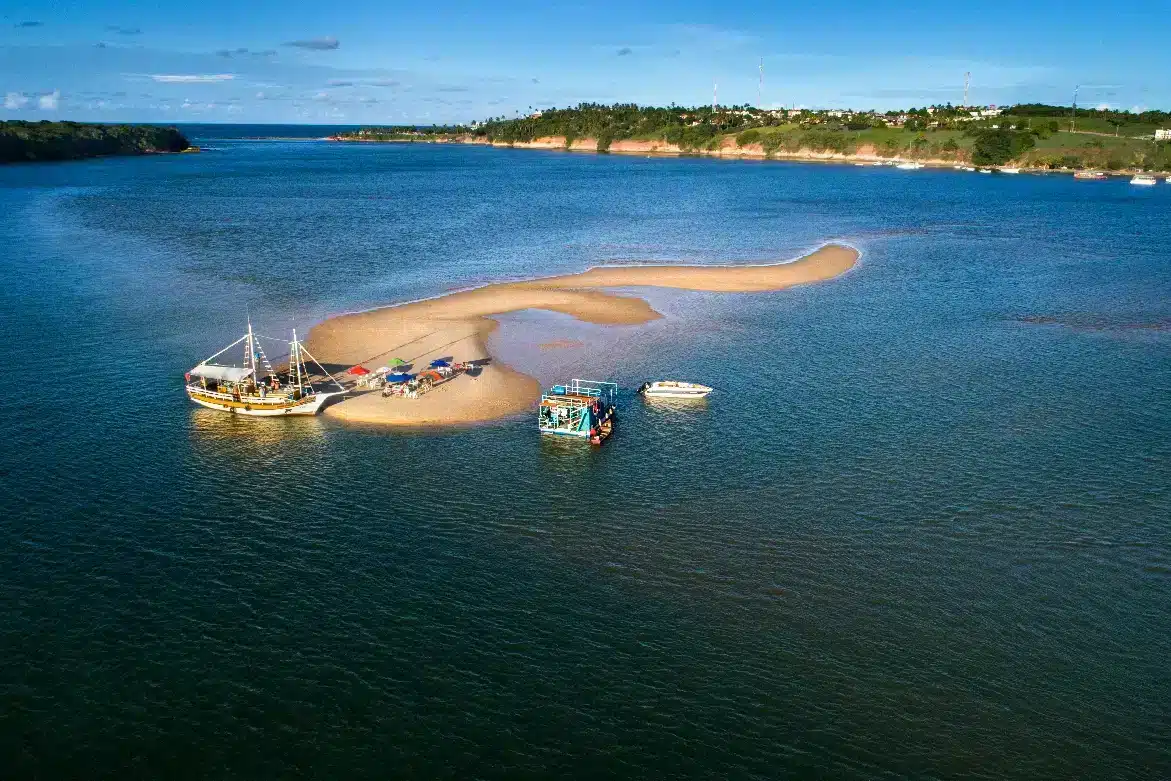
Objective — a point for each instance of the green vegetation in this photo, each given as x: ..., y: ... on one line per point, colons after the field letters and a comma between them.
x: 30, y: 141
x: 997, y: 147
x: 406, y: 133
x: 1033, y: 135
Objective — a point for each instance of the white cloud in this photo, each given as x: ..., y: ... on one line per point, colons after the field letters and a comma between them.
x: 49, y: 102
x: 14, y: 101
x: 175, y: 78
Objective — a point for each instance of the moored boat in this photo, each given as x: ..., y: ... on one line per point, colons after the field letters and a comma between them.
x: 1088, y: 175
x: 912, y: 166
x: 255, y: 388
x: 1009, y: 170
x: 1145, y: 180
x: 670, y: 389
x: 581, y: 408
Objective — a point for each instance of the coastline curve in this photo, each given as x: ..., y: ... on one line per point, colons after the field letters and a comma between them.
x: 458, y: 324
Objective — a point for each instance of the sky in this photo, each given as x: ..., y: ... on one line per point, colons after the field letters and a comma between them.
x: 363, y: 62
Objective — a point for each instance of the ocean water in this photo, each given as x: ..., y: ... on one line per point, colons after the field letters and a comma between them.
x: 923, y: 529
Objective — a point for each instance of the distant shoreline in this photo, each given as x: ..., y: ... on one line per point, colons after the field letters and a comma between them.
x: 727, y: 151
x: 456, y: 326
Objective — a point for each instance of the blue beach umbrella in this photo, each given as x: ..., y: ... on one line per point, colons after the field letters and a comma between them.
x: 438, y: 363
x: 398, y: 377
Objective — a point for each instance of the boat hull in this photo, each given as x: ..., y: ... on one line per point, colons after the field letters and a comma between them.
x: 260, y: 409
x: 676, y: 394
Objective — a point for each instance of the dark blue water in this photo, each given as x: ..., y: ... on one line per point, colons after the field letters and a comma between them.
x: 921, y: 531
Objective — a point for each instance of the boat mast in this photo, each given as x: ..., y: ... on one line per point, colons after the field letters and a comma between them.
x: 295, y: 357
x: 250, y: 357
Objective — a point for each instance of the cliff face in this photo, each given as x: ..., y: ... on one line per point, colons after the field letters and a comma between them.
x: 33, y: 141
x: 727, y: 148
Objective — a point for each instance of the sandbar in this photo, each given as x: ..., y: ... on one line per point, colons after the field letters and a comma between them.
x: 456, y: 326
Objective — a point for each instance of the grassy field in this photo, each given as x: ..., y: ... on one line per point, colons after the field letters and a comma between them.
x: 1096, y: 125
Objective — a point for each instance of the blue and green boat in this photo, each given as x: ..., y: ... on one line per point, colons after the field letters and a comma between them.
x: 580, y: 408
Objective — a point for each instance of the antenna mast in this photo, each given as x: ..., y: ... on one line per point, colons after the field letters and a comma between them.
x: 1073, y: 113
x: 967, y: 81
x: 715, y: 93
x: 760, y: 84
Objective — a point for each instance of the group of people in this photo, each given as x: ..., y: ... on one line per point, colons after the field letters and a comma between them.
x: 412, y: 388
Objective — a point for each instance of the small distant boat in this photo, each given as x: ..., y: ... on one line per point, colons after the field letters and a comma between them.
x: 878, y: 162
x: 909, y: 166
x: 967, y: 168
x: 255, y: 388
x: 985, y: 170
x: 1009, y: 170
x: 669, y: 389
x: 1144, y: 179
x: 1088, y: 175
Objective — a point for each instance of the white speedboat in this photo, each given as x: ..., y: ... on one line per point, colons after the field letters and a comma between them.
x: 1144, y: 179
x: 1009, y: 170
x: 909, y: 166
x: 669, y: 389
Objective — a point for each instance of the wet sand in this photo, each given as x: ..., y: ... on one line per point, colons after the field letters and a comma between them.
x: 456, y: 327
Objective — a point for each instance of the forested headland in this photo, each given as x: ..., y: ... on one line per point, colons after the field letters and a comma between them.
x: 36, y: 141
x: 1032, y: 135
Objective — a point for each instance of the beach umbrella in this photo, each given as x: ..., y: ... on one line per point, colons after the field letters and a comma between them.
x: 396, y: 361
x: 398, y: 377
x: 358, y: 371
x: 438, y: 363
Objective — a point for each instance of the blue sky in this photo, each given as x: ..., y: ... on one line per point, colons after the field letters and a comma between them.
x: 378, y: 62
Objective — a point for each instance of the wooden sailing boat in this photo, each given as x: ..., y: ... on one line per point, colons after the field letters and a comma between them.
x: 255, y: 388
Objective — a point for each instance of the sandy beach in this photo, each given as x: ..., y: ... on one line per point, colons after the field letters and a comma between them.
x: 456, y: 327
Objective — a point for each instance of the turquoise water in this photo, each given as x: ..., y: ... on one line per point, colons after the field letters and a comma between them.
x: 922, y: 530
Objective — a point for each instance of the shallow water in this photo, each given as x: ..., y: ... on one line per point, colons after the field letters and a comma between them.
x: 920, y: 530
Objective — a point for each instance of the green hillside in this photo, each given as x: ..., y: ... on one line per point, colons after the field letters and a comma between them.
x: 1033, y: 135
x: 33, y: 141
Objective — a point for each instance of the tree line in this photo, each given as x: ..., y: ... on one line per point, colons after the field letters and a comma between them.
x: 22, y: 141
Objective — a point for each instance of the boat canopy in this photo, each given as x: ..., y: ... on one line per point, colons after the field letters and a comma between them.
x: 225, y: 373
